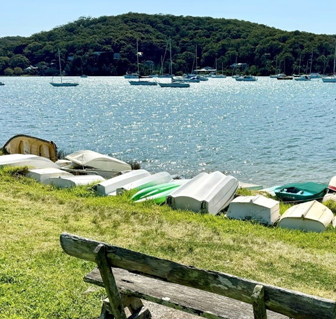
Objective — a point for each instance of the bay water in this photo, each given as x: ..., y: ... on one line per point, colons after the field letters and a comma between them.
x: 267, y: 132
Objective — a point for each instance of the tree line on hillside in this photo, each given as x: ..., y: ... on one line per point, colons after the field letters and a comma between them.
x: 107, y: 46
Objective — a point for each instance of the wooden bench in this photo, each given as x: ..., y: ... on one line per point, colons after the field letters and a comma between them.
x: 129, y: 277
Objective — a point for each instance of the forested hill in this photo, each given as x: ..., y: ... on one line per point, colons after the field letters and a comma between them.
x: 107, y: 46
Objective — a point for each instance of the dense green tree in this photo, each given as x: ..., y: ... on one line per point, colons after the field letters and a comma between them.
x: 19, y: 60
x: 91, y: 45
x: 8, y: 71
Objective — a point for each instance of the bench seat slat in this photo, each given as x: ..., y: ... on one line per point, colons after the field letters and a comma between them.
x: 191, y: 300
x: 290, y: 303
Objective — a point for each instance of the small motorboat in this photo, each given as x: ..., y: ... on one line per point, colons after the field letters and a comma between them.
x: 303, y: 77
x: 301, y: 192
x: 247, y: 78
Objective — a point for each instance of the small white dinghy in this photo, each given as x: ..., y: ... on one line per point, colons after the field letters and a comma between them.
x: 258, y: 208
x: 32, y: 161
x: 73, y: 181
x: 332, y: 184
x: 93, y: 162
x: 149, y: 181
x: 309, y: 216
x: 109, y: 187
x: 206, y: 193
x: 41, y: 174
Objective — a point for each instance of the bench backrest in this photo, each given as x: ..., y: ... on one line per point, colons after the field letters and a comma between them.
x: 290, y: 303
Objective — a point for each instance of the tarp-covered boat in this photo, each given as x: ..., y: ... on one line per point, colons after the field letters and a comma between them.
x: 73, y: 181
x: 206, y: 193
x: 109, y: 187
x: 301, y: 192
x: 309, y: 216
x: 31, y: 161
x: 148, y: 181
x: 41, y: 174
x: 258, y: 208
x: 25, y: 144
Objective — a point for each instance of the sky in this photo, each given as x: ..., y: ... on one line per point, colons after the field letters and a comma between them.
x: 26, y: 17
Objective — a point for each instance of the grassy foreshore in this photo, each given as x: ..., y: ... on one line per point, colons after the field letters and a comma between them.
x: 37, y: 280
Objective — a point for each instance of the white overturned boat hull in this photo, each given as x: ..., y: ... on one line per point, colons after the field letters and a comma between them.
x: 109, y: 187
x: 87, y: 158
x: 258, y: 208
x: 149, y: 181
x: 41, y: 174
x: 32, y: 161
x: 206, y: 193
x: 308, y: 216
x: 67, y: 181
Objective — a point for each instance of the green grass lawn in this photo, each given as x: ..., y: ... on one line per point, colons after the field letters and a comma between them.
x: 38, y: 280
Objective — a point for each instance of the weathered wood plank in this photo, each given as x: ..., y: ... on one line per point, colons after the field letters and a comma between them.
x: 109, y: 282
x: 259, y: 309
x: 290, y: 303
x: 190, y: 300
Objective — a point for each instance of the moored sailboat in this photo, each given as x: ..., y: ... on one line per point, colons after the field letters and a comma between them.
x: 139, y: 81
x: 174, y: 83
x: 61, y: 83
x: 332, y: 78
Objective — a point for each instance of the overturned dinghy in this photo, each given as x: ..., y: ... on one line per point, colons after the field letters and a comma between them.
x: 90, y: 162
x: 207, y: 193
x: 149, y: 181
x: 309, y: 216
x: 109, y: 187
x: 31, y: 161
x: 25, y: 144
x: 258, y: 208
x: 73, y: 181
x: 42, y: 174
x: 158, y: 193
x: 332, y: 185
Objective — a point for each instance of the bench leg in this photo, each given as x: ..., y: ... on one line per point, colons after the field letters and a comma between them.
x: 143, y: 313
x: 105, y: 314
x: 259, y: 309
x: 134, y: 305
x: 137, y: 308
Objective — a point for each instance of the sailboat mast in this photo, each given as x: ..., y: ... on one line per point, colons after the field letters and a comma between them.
x: 334, y: 60
x: 196, y: 58
x: 59, y: 63
x: 137, y: 49
x: 171, y: 59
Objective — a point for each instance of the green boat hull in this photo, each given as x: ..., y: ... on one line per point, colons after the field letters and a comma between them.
x: 158, y: 193
x: 301, y: 192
